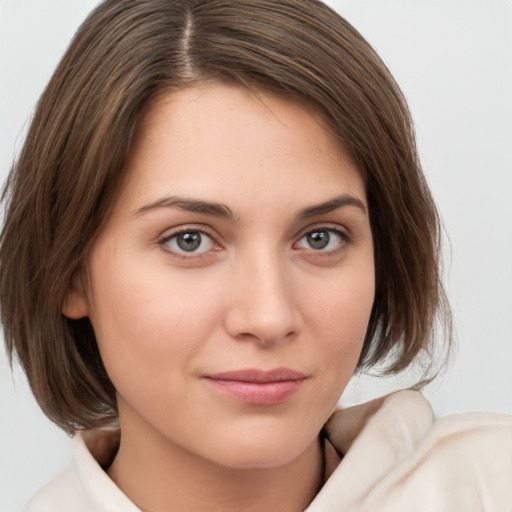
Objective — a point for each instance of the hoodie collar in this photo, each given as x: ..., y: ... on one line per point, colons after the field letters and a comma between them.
x: 371, y: 438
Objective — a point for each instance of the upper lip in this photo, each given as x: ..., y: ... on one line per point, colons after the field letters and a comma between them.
x: 258, y: 376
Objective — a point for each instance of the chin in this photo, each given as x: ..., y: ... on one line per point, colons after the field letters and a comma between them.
x: 263, y: 451
x: 262, y: 459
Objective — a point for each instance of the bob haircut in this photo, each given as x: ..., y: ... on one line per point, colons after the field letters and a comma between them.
x: 70, y: 171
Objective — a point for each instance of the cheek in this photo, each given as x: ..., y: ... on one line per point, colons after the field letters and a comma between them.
x: 149, y: 320
x: 340, y: 318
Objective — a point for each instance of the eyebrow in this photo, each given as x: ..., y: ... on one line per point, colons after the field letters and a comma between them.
x: 224, y: 212
x: 189, y: 205
x: 331, y: 205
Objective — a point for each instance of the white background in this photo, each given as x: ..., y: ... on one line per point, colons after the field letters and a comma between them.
x: 453, y: 59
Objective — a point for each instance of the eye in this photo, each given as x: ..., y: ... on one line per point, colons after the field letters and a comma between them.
x: 322, y: 239
x: 190, y: 241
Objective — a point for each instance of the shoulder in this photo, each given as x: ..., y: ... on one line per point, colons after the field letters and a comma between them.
x: 482, y: 437
x: 84, y: 486
x: 397, y: 457
x: 58, y: 495
x: 464, y: 459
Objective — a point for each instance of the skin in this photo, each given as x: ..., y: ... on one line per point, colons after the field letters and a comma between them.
x: 254, y: 294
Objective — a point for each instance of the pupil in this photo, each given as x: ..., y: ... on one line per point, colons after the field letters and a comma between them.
x: 189, y: 241
x: 318, y: 239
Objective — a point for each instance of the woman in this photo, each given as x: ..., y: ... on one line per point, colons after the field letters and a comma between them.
x: 230, y: 218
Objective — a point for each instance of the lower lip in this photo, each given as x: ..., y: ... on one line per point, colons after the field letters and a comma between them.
x: 258, y: 393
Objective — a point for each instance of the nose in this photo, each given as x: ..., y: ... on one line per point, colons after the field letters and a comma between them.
x: 263, y: 302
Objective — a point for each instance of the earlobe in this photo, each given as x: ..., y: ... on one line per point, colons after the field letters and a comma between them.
x: 75, y: 304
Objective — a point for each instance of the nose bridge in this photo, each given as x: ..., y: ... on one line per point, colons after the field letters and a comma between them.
x: 263, y: 303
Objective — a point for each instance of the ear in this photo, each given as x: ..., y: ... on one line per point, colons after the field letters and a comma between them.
x: 76, y: 304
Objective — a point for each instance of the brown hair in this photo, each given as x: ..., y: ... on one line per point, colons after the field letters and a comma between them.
x: 66, y: 178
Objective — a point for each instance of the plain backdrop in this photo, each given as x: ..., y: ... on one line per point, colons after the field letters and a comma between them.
x: 453, y: 60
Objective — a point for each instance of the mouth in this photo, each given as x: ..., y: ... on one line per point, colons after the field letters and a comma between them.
x: 258, y: 387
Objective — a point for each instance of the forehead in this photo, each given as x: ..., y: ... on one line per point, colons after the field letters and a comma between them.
x: 225, y: 139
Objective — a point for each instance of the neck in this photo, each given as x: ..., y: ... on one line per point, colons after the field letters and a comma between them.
x: 159, y: 476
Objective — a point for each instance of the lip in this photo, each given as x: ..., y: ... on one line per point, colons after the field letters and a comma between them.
x: 258, y: 387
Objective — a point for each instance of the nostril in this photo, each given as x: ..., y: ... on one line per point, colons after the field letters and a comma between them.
x: 247, y: 325
x: 266, y: 342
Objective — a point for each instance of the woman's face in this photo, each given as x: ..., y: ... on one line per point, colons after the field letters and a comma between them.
x: 231, y: 288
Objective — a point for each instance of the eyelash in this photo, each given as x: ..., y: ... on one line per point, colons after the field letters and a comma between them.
x: 343, y: 235
x: 164, y: 241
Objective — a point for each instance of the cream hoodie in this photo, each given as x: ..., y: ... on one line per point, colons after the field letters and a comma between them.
x: 396, y: 459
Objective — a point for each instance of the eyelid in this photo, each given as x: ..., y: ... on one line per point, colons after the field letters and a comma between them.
x: 173, y: 232
x: 340, y: 231
x: 327, y: 226
x: 161, y: 241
